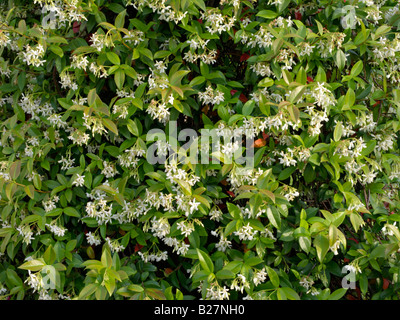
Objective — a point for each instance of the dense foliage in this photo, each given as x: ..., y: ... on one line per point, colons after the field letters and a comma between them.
x: 102, y: 198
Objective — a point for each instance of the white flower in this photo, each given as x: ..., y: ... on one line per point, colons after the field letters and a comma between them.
x: 49, y: 204
x: 185, y: 227
x: 93, y: 239
x: 134, y: 37
x: 352, y: 268
x: 109, y: 169
x: 160, y: 66
x: 259, y: 276
x: 58, y: 231
x: 306, y: 49
x: 158, y: 111
x: 216, y: 215
x: 79, y: 62
x: 78, y: 137
x: 193, y: 205
x: 79, y: 180
x: 68, y: 81
x: 34, y: 280
x: 211, y: 96
x: 223, y: 244
x: 67, y: 163
x: 387, y: 231
x: 114, y: 245
x: 246, y: 232
x: 32, y: 56
x: 98, y: 71
x: 334, y: 248
x: 306, y: 282
x: 98, y: 41
x: 26, y: 232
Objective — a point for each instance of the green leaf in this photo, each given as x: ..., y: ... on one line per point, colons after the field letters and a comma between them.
x: 72, y: 212
x: 135, y: 288
x: 49, y: 255
x: 340, y: 59
x: 349, y: 99
x: 113, y: 57
x: 13, y: 277
x: 297, y: 94
x: 289, y: 293
x: 205, y: 261
x: 22, y: 81
x: 273, y: 276
x: 338, y: 132
x: 129, y: 71
x: 15, y: 169
x: 305, y: 243
x: 33, y: 265
x: 321, y: 243
x: 106, y: 259
x: 71, y: 245
x: 357, y: 68
x: 224, y: 274
x: 378, y: 252
x: 119, y: 78
x: 162, y: 54
x: 234, y: 211
x: 30, y: 191
x: 253, y: 261
x: 88, y: 291
x: 109, y: 124
x: 286, y: 173
x: 120, y: 19
x: 337, y: 294
x: 248, y: 108
x: 381, y: 31
x: 133, y: 128
x: 267, y: 14
x: 274, y: 217
x: 266, y: 82
x: 230, y: 227
x: 176, y: 78
x: 57, y: 50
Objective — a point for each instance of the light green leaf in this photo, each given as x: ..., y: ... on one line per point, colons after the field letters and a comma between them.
x: 205, y: 261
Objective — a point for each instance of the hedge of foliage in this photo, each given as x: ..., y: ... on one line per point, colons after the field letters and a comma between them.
x: 93, y: 91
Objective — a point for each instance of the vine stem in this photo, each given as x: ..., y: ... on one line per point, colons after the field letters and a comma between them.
x: 22, y: 185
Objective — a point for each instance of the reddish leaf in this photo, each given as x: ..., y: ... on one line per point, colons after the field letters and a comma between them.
x: 138, y: 247
x: 353, y: 239
x: 386, y: 283
x: 260, y: 143
x: 298, y: 15
x: 243, y: 98
x: 168, y: 271
x: 224, y: 182
x: 244, y: 57
x: 76, y: 26
x: 377, y: 103
x: 231, y: 193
